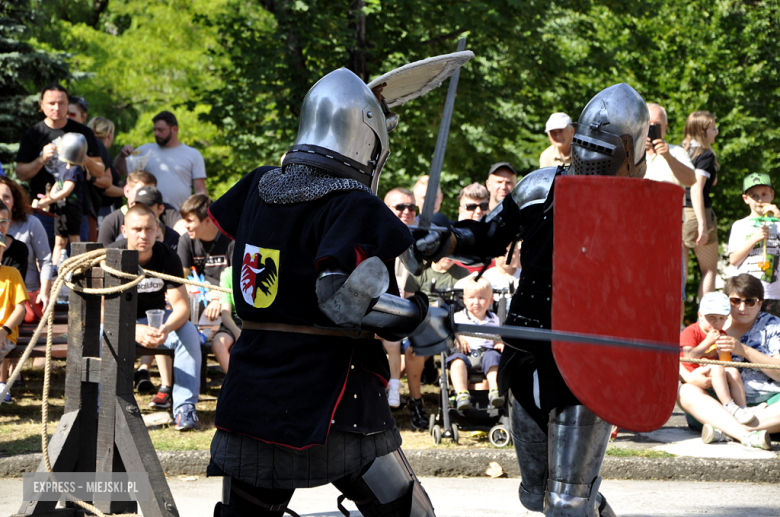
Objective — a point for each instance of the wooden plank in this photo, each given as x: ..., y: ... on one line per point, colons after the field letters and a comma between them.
x: 83, y: 341
x: 90, y: 369
x: 117, y: 364
x: 138, y: 455
x: 63, y: 455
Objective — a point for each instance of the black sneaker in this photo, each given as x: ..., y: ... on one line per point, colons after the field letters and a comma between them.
x: 143, y: 383
x: 419, y: 416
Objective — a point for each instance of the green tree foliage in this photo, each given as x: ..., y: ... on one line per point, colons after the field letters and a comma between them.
x: 141, y: 58
x: 23, y: 70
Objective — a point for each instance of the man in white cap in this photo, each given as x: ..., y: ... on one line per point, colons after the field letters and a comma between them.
x: 561, y: 132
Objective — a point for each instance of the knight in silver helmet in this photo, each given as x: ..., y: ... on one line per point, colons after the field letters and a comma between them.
x: 560, y: 443
x: 315, y: 289
x: 342, y: 134
x: 609, y: 139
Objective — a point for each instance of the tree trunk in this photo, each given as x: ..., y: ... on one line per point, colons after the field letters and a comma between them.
x: 357, y: 54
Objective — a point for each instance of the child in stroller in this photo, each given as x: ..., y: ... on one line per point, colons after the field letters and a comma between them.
x: 474, y: 362
x: 476, y: 353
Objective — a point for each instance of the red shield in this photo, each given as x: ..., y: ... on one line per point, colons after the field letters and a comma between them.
x: 616, y: 272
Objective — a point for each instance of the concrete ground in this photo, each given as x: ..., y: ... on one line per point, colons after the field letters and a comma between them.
x: 466, y: 497
x: 677, y: 438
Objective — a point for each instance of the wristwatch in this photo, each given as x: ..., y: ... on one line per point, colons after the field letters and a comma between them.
x: 7, y: 330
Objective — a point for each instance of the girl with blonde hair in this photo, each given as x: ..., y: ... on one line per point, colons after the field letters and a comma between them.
x: 700, y: 229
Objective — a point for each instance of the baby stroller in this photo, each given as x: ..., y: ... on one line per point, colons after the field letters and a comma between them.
x: 448, y: 421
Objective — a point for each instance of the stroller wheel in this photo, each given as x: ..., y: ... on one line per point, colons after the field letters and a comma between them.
x: 455, y: 433
x: 431, y: 423
x: 499, y: 436
x: 436, y: 434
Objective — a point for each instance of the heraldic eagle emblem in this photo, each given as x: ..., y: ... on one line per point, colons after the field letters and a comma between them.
x: 259, y: 276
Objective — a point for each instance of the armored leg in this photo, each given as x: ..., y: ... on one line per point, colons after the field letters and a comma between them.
x: 387, y: 488
x: 240, y: 499
x: 531, y: 447
x: 578, y: 441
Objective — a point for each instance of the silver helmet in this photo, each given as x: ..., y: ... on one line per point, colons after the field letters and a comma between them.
x: 610, y: 135
x: 343, y: 129
x: 73, y: 148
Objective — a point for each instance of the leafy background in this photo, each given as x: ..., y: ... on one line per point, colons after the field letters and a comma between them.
x: 235, y: 73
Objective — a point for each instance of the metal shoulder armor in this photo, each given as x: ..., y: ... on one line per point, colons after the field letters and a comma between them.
x: 534, y: 187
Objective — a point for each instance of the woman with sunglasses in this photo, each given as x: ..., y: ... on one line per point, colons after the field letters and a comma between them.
x: 473, y: 202
x: 752, y: 336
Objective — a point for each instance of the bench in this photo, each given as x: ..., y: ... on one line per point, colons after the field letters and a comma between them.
x: 60, y: 344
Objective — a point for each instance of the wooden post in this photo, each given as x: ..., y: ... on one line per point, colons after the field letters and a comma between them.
x: 84, y: 341
x: 116, y: 440
x: 116, y: 369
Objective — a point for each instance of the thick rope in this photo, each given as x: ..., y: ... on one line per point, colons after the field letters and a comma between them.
x: 761, y: 366
x: 80, y: 264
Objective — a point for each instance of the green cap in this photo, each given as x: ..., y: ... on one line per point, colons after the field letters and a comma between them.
x: 756, y: 179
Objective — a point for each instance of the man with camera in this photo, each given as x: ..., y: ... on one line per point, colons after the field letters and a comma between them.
x: 665, y: 162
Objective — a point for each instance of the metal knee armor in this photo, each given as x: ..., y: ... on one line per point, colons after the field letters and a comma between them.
x: 577, y: 441
x: 394, y: 490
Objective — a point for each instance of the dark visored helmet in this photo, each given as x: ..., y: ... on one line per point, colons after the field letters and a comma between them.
x: 610, y: 135
x: 73, y: 148
x: 343, y: 129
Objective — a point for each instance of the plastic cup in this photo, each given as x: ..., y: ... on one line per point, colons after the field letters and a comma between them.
x: 724, y: 356
x: 155, y: 318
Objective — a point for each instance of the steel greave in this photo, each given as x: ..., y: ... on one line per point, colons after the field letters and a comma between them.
x: 577, y: 441
x: 532, y: 451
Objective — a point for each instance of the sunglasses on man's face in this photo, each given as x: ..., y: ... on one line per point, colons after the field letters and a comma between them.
x: 749, y: 302
x: 406, y: 206
x: 473, y: 206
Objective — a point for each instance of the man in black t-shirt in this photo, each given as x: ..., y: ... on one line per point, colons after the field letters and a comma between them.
x: 37, y: 158
x: 152, y: 198
x: 203, y: 248
x: 177, y: 333
x: 111, y: 228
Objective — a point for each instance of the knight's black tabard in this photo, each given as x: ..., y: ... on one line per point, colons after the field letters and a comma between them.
x: 531, y: 306
x: 288, y: 388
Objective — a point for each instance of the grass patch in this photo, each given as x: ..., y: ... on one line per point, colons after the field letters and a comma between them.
x: 641, y: 453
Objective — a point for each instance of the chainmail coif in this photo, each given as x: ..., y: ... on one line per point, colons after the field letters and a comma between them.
x: 299, y: 183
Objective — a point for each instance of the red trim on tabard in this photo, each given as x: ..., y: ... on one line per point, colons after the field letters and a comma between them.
x: 341, y: 395
x: 384, y: 381
x: 214, y: 219
x: 360, y: 255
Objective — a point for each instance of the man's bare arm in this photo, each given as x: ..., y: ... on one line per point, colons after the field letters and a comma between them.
x: 27, y: 171
x: 199, y: 186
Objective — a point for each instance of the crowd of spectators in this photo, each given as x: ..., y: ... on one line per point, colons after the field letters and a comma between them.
x: 140, y: 199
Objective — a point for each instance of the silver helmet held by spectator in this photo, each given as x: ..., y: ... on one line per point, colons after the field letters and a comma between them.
x: 610, y: 135
x: 343, y: 129
x: 72, y: 148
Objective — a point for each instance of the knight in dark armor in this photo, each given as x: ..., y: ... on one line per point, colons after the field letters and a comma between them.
x: 560, y: 443
x: 304, y: 402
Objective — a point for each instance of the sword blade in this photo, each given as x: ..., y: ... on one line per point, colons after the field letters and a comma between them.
x: 426, y: 216
x: 557, y: 335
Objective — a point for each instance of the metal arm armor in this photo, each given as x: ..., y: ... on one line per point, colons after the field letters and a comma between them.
x: 361, y: 301
x: 476, y: 241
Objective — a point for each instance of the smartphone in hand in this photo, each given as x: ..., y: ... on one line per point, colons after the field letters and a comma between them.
x: 654, y: 133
